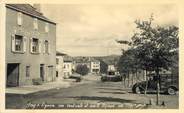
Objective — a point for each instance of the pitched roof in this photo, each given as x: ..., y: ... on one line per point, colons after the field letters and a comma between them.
x: 60, y: 54
x: 29, y: 10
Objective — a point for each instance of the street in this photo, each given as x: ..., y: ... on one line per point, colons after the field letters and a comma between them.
x: 94, y: 95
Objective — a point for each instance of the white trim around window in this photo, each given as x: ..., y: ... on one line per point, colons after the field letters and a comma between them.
x: 46, y: 46
x: 18, y: 43
x: 35, y: 45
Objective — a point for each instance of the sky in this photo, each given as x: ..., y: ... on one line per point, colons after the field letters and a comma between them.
x: 91, y: 30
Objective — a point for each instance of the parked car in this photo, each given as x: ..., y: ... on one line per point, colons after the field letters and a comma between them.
x: 111, y: 76
x: 168, y: 84
x: 76, y: 76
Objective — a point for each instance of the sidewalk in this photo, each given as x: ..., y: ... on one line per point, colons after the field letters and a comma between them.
x: 65, y: 83
x: 35, y: 88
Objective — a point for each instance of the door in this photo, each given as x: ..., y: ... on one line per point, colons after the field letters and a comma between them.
x: 42, y: 72
x: 12, y: 79
x: 50, y: 72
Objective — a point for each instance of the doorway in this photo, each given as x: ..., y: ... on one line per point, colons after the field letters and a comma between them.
x: 12, y: 79
x: 42, y: 71
x: 50, y: 72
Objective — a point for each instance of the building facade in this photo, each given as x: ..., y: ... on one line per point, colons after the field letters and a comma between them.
x: 67, y: 66
x: 95, y: 66
x: 59, y: 65
x: 30, y: 46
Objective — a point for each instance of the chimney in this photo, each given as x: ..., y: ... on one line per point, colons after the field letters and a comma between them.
x: 37, y: 7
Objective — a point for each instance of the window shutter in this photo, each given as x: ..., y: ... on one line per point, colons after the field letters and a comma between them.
x: 44, y: 49
x: 19, y: 18
x: 24, y: 43
x: 49, y: 47
x: 13, y: 42
x: 39, y: 46
x: 31, y: 45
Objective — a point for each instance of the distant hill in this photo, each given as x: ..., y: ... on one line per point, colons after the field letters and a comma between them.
x: 111, y: 59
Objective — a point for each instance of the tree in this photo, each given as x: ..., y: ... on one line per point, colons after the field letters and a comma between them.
x: 155, y: 46
x: 82, y: 69
x: 128, y: 64
x: 103, y: 67
x: 123, y: 67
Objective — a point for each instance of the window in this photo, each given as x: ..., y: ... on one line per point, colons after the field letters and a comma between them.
x: 64, y: 66
x: 35, y: 24
x: 56, y: 73
x: 57, y: 61
x: 19, y: 18
x: 18, y: 43
x: 46, y: 44
x: 35, y: 45
x: 65, y: 73
x: 111, y: 73
x: 46, y: 27
x: 27, y: 71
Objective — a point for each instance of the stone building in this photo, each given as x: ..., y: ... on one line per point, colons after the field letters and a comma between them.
x: 30, y: 45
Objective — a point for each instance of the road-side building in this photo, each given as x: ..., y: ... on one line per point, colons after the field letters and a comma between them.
x: 59, y: 65
x: 67, y: 66
x: 94, y: 66
x: 30, y: 45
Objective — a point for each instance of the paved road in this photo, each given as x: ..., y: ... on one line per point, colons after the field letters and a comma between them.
x: 91, y: 95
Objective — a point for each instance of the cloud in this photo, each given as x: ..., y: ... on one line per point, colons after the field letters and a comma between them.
x: 88, y: 29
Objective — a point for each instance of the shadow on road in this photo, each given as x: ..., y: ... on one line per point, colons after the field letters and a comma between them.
x: 104, y: 88
x: 150, y: 93
x: 112, y: 92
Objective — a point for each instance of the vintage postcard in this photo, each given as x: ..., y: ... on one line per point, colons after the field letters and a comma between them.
x: 90, y: 56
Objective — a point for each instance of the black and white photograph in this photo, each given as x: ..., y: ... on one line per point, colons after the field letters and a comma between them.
x: 91, y: 56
